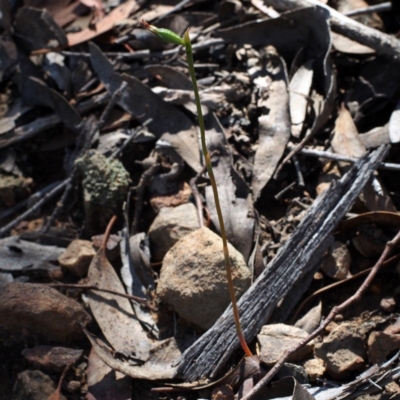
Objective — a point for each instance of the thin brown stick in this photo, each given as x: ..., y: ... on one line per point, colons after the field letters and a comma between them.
x: 336, y: 310
x: 336, y: 284
x: 95, y: 288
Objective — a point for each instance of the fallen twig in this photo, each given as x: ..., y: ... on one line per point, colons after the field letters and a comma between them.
x: 97, y: 289
x: 47, y: 196
x: 30, y: 130
x: 338, y: 157
x: 339, y: 283
x: 139, y: 55
x: 370, y: 9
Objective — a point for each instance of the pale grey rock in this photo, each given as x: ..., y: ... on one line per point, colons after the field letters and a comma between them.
x: 276, y: 339
x: 170, y: 225
x: 193, y: 277
x: 343, y: 350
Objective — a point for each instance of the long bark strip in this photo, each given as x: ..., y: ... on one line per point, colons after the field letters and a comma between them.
x: 296, y: 259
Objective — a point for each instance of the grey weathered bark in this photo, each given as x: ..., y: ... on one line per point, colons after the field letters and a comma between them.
x: 294, y: 261
x: 379, y: 41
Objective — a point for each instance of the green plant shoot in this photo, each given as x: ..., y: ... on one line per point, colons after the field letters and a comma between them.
x: 169, y: 36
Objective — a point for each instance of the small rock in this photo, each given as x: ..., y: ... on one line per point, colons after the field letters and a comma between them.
x: 343, y: 350
x: 276, y: 339
x: 170, y: 225
x: 222, y: 392
x: 77, y: 257
x: 33, y: 385
x: 388, y: 304
x: 193, y: 278
x: 393, y: 389
x: 296, y: 371
x: 73, y: 386
x: 315, y: 368
x: 380, y: 345
x: 311, y: 320
x: 51, y: 358
x: 13, y: 189
x: 41, y: 310
x: 336, y: 263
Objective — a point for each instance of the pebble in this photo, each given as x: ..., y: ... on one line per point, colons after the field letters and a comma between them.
x: 77, y: 257
x: 170, y: 225
x: 315, y: 368
x: 42, y: 311
x: 276, y: 339
x: 33, y: 385
x: 193, y: 277
x: 380, y: 345
x: 343, y: 350
x: 336, y: 263
x: 388, y: 304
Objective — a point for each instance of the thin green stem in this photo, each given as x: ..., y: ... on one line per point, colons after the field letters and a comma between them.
x: 228, y: 267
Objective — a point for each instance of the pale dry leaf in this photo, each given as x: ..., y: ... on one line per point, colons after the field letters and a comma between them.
x: 107, y: 23
x: 274, y: 124
x: 159, y: 366
x: 114, y: 314
x: 104, y: 383
x: 346, y: 141
x: 394, y: 125
x: 232, y: 189
x: 299, y: 91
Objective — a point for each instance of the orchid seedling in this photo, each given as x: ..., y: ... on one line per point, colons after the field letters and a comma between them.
x: 169, y: 36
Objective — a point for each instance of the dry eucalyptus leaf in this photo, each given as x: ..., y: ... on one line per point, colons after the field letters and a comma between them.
x: 137, y: 275
x: 37, y: 29
x: 36, y: 92
x: 170, y: 77
x: 346, y: 141
x: 274, y: 123
x: 104, y: 383
x: 114, y: 314
x: 345, y: 45
x: 168, y: 123
x: 119, y: 13
x: 394, y: 125
x: 232, y: 189
x: 20, y: 255
x: 157, y: 367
